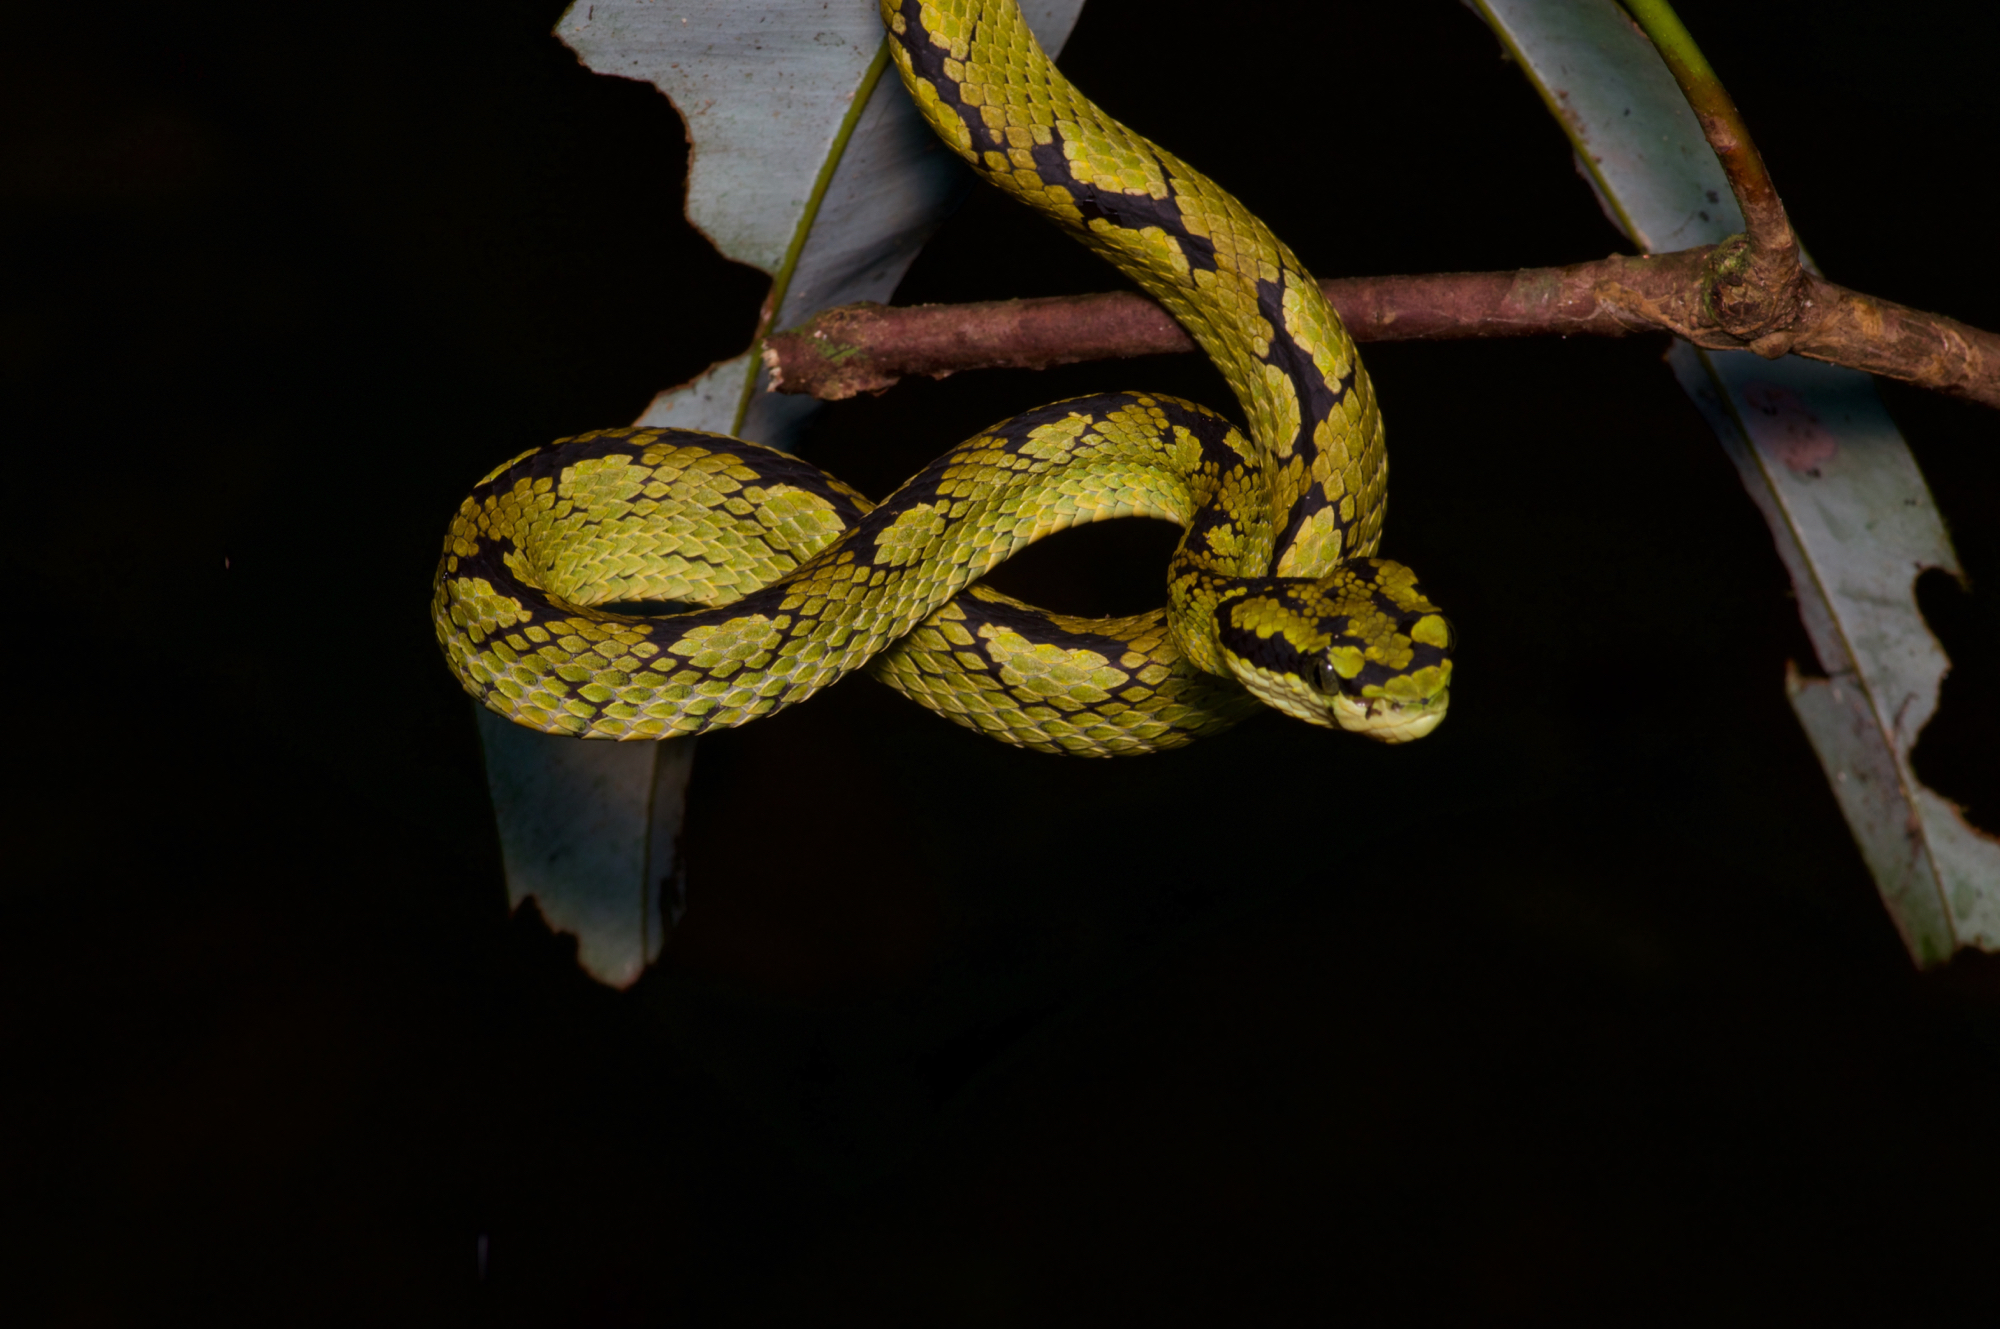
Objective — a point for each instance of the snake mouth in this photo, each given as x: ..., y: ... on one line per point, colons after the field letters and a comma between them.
x: 1388, y: 721
x: 1385, y: 719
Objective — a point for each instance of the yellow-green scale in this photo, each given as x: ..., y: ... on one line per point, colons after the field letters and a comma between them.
x: 575, y: 535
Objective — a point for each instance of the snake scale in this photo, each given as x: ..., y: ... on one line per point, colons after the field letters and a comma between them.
x: 1275, y: 596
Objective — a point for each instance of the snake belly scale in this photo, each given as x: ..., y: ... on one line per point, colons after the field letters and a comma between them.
x: 1275, y: 596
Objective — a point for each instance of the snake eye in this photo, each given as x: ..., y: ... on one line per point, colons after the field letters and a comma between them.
x: 1323, y: 676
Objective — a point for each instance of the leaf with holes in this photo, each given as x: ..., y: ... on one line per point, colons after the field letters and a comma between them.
x: 1852, y: 518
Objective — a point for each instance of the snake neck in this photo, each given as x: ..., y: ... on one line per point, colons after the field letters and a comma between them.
x: 986, y: 87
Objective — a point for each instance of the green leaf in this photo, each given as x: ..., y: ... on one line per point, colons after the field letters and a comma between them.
x: 804, y: 162
x: 1852, y: 518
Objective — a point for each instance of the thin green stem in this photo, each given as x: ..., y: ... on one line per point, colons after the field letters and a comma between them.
x: 782, y: 283
x: 1722, y: 124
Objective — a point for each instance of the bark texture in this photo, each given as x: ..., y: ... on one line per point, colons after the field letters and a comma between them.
x: 1712, y: 296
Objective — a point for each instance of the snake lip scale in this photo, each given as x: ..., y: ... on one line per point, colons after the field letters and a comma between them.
x: 1276, y: 598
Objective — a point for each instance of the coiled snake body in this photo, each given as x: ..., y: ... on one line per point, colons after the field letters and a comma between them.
x: 1275, y: 596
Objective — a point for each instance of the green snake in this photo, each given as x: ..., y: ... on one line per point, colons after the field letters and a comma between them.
x: 1275, y: 597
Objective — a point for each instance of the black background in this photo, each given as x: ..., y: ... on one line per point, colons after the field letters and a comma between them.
x: 1582, y: 1009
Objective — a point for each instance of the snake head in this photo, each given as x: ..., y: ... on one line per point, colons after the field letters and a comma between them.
x: 1361, y: 649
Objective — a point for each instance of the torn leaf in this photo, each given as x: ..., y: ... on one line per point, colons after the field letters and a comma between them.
x: 804, y: 161
x: 1852, y: 518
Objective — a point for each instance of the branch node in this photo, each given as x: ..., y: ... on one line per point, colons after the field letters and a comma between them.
x: 1752, y: 292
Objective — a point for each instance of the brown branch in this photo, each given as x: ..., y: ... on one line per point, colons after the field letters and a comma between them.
x: 867, y: 347
x: 1751, y: 291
